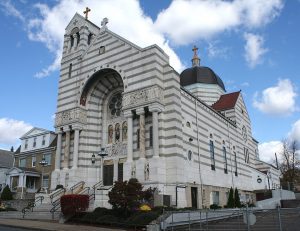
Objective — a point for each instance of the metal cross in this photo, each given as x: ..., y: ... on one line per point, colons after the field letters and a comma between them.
x: 104, y: 21
x: 86, y: 12
x: 195, y: 49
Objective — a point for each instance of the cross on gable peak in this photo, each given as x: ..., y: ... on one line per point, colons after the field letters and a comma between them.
x: 104, y: 21
x: 86, y: 12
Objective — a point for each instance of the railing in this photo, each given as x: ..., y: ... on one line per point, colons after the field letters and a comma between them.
x: 56, y: 207
x: 80, y: 184
x: 31, y: 205
x: 57, y: 193
x: 95, y: 186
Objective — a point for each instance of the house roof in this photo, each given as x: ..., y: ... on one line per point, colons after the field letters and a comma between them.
x: 6, y: 158
x: 226, y: 101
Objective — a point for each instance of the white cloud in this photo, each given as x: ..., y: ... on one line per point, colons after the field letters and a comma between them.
x: 10, y: 9
x: 214, y: 50
x: 277, y: 100
x: 11, y: 130
x: 254, y: 49
x: 125, y: 18
x: 267, y: 150
x: 181, y: 23
x: 294, y: 134
x: 186, y: 21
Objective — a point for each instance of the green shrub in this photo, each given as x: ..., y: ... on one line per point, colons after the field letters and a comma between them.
x: 6, y: 194
x: 101, y: 211
x: 230, y: 201
x: 108, y: 220
x: 214, y: 206
x: 237, y: 201
x: 142, y: 218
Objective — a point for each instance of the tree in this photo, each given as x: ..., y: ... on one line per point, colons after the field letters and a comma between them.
x: 230, y: 201
x: 289, y: 164
x: 237, y: 201
x: 6, y: 194
x: 126, y: 196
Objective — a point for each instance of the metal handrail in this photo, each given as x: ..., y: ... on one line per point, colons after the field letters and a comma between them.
x: 32, y: 204
x: 84, y: 190
x: 57, y: 193
x: 77, y: 185
x: 56, y: 206
x: 94, y: 188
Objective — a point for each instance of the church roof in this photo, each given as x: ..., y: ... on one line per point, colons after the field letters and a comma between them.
x: 200, y: 74
x: 226, y: 101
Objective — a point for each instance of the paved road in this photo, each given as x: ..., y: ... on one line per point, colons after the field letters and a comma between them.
x: 6, y: 228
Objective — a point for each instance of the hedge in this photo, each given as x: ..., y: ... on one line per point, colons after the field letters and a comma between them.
x: 70, y: 204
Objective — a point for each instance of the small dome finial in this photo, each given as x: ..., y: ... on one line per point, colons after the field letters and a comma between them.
x: 195, y: 59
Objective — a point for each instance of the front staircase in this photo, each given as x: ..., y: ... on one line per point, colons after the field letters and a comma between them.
x: 47, y: 207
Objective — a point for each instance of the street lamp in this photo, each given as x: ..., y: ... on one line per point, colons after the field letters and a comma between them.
x: 102, y: 154
x: 43, y: 163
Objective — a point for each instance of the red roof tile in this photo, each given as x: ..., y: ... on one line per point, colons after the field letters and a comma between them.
x: 226, y: 102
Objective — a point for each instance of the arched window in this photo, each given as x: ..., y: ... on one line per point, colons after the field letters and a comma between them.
x: 124, y: 131
x: 110, y: 134
x: 70, y: 70
x: 90, y: 38
x: 78, y: 38
x: 151, y: 136
x: 72, y: 40
x: 117, y: 132
x: 115, y: 105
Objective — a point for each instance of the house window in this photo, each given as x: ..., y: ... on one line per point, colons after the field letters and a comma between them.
x: 117, y: 132
x: 34, y: 142
x: 235, y: 164
x: 188, y: 124
x: 215, y: 199
x: 212, y: 154
x: 45, y: 182
x: 225, y: 160
x: 190, y: 154
x: 26, y: 144
x: 70, y: 70
x: 151, y: 136
x: 47, y: 158
x: 115, y: 105
x: 22, y: 163
x: 33, y: 161
x: 44, y: 140
x: 138, y: 138
x: 110, y: 134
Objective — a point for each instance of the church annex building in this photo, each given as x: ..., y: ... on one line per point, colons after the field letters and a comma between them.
x: 181, y: 133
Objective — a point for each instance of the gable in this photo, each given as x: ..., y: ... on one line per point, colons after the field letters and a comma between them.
x: 79, y: 21
x: 34, y: 132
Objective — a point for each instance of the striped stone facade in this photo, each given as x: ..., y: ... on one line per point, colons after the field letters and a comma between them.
x: 157, y: 131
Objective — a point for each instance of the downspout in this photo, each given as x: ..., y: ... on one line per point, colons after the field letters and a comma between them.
x: 229, y: 149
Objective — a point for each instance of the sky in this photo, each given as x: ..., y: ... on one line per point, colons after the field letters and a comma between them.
x: 253, y: 45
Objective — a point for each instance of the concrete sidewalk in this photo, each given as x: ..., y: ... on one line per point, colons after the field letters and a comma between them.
x: 49, y: 226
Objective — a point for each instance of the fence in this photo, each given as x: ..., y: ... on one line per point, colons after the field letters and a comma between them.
x: 235, y: 219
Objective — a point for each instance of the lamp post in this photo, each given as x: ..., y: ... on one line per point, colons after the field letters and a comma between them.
x: 43, y: 163
x: 102, y: 154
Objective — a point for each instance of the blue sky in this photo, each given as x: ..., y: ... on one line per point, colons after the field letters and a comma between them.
x: 253, y: 45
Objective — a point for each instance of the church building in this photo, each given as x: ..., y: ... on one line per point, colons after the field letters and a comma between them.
x: 123, y: 112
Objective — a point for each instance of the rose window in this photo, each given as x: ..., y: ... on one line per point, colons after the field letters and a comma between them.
x: 115, y: 105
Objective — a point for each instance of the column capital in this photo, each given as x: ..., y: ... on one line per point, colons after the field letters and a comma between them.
x: 76, y: 127
x: 155, y: 108
x: 140, y: 111
x: 128, y: 114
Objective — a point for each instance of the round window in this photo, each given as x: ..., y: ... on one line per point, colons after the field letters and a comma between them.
x: 115, y: 105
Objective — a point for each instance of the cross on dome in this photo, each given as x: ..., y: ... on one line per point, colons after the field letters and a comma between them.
x: 195, y: 59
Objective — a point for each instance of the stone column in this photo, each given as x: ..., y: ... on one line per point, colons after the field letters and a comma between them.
x: 58, y: 151
x: 155, y: 134
x: 141, y: 113
x: 75, y: 42
x: 76, y: 146
x: 116, y: 162
x: 128, y: 115
x: 67, y: 150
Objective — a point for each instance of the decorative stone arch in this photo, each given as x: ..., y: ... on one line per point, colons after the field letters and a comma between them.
x: 91, y: 79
